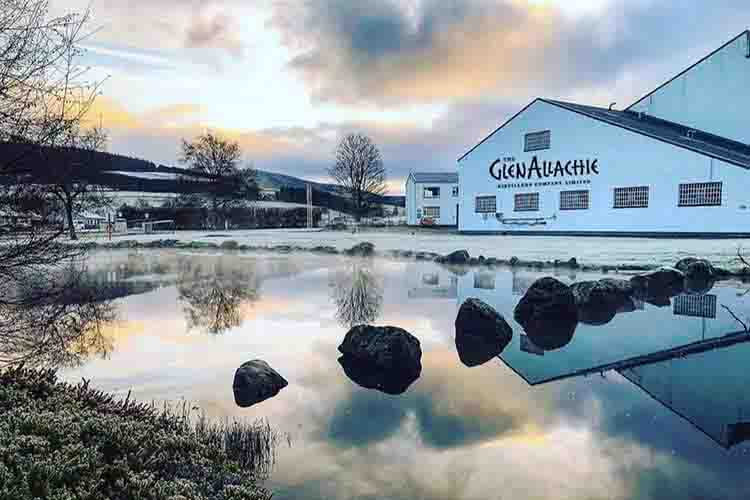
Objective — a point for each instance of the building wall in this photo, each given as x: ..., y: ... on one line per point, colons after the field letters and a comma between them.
x: 713, y: 96
x: 624, y: 159
x: 416, y: 202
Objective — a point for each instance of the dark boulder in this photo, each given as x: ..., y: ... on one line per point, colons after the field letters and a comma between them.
x: 665, y: 282
x: 459, y: 257
x: 370, y: 376
x: 256, y: 381
x: 364, y: 249
x: 700, y: 275
x: 548, y: 313
x: 599, y: 301
x: 481, y: 333
x: 386, y: 358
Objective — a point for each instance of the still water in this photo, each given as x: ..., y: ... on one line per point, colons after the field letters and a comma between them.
x: 623, y: 410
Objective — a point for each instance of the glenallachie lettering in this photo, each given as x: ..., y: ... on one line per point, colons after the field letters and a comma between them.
x: 542, y: 170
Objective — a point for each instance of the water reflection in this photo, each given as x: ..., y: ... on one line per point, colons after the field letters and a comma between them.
x: 55, y: 320
x: 691, y: 357
x: 357, y: 292
x: 456, y: 433
x: 212, y: 300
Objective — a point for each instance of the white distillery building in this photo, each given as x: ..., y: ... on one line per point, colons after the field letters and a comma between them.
x: 432, y: 198
x: 675, y: 163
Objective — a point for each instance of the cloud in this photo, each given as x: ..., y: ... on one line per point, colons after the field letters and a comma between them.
x: 389, y: 53
x: 216, y: 31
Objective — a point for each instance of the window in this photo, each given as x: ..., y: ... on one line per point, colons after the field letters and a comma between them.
x: 537, y: 141
x: 455, y: 191
x: 432, y: 212
x: 631, y: 197
x: 574, y: 200
x: 486, y: 204
x: 527, y: 202
x: 484, y: 281
x: 702, y: 194
x: 432, y: 192
x: 697, y: 306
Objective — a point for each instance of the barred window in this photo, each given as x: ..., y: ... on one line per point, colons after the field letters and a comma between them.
x: 697, y: 306
x: 574, y: 200
x: 537, y: 141
x: 701, y: 194
x: 432, y: 212
x: 527, y: 202
x: 486, y: 204
x: 631, y: 197
x: 432, y: 192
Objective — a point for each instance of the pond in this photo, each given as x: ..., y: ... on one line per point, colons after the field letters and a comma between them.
x: 646, y: 402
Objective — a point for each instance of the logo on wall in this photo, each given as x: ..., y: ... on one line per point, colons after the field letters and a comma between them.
x: 503, y: 171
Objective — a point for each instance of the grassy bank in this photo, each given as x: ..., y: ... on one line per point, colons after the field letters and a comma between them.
x: 62, y: 441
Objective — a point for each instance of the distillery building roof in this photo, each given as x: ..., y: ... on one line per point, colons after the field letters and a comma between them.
x: 682, y: 136
x: 436, y: 177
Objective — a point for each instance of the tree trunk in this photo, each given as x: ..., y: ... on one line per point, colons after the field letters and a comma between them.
x: 69, y: 216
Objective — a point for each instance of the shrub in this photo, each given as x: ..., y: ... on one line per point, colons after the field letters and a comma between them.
x: 62, y: 441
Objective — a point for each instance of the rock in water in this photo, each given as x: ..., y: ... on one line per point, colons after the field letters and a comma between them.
x: 663, y: 283
x: 459, y: 257
x: 364, y: 249
x: 256, y: 381
x: 599, y: 301
x: 548, y: 314
x: 700, y: 275
x: 385, y: 358
x: 481, y: 333
x: 369, y: 376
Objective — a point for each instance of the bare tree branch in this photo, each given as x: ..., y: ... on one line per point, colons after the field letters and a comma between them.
x: 218, y: 159
x: 359, y: 171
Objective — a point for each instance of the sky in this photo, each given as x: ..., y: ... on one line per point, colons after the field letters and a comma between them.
x: 426, y: 79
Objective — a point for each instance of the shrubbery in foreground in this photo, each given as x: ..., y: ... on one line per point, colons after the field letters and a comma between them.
x: 62, y: 441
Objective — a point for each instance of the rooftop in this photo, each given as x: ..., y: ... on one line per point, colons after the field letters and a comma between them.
x: 678, y: 135
x: 436, y: 177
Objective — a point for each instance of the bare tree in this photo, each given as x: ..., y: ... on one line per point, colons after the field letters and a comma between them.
x: 359, y: 171
x: 212, y: 303
x: 358, y: 295
x: 43, y: 96
x: 218, y: 160
x: 68, y: 176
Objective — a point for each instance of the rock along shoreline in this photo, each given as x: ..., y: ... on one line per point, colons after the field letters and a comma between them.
x: 459, y: 258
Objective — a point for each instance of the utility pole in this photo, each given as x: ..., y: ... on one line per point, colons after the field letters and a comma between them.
x: 309, y: 206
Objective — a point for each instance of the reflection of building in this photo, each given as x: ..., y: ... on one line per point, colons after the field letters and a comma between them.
x: 708, y: 389
x: 484, y: 280
x: 692, y: 358
x: 698, y: 306
x: 431, y: 283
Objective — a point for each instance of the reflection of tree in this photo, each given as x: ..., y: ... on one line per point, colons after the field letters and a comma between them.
x: 54, y: 320
x: 212, y: 303
x: 358, y: 295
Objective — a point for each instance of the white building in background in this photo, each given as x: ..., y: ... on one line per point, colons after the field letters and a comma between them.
x: 432, y: 199
x: 675, y: 163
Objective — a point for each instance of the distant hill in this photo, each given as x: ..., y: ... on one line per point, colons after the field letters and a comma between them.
x: 134, y: 174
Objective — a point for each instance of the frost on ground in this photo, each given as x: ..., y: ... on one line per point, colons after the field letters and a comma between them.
x: 587, y: 250
x: 68, y: 441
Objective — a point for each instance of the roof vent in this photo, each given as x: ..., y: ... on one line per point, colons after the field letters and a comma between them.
x: 690, y: 134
